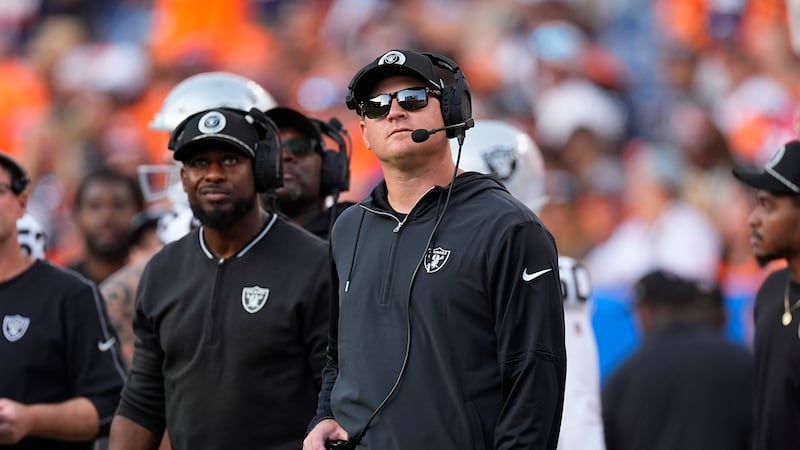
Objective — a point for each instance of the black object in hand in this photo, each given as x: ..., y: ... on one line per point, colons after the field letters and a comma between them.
x: 340, y: 445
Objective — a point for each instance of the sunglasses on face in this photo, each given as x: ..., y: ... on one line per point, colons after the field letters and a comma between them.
x: 298, y: 146
x: 411, y: 99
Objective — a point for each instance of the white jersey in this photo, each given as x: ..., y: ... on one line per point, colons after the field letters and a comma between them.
x: 581, y: 422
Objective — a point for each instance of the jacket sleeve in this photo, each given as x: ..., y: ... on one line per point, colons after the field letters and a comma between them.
x: 331, y: 370
x: 529, y: 326
x: 96, y: 369
x: 315, y: 321
x: 143, y: 396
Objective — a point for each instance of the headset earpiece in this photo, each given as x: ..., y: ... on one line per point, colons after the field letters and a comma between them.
x: 335, y: 171
x: 268, y: 162
x: 455, y: 101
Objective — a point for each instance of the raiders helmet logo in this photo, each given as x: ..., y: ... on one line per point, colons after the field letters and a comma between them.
x: 254, y: 298
x: 14, y: 327
x: 502, y: 162
x: 436, y: 259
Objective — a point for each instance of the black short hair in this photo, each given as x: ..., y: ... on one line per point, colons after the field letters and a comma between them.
x: 108, y: 175
x: 19, y: 178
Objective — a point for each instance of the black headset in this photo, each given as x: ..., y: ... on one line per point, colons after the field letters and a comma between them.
x: 335, y: 172
x: 268, y: 163
x: 456, y: 101
x: 268, y: 160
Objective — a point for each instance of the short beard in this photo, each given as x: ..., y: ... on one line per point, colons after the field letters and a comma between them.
x: 293, y: 203
x: 113, y: 252
x: 220, y: 220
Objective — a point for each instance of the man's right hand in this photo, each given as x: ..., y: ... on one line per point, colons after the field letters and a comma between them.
x: 326, y: 430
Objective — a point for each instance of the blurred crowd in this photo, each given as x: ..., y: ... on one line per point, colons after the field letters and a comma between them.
x: 640, y: 107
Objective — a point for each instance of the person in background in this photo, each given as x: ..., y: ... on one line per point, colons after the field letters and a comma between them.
x: 228, y: 354
x: 775, y: 230
x: 62, y: 372
x: 501, y: 150
x: 311, y: 173
x: 687, y: 386
x: 105, y: 204
x: 119, y: 290
x: 448, y: 327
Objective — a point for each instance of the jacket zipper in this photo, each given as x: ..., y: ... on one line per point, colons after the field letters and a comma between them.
x: 390, y: 263
x: 214, y: 317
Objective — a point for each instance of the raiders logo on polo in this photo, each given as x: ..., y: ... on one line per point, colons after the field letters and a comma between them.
x: 436, y: 259
x: 254, y: 298
x: 14, y: 327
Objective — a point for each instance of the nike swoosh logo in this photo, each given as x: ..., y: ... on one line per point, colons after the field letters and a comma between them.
x: 104, y: 346
x: 531, y: 276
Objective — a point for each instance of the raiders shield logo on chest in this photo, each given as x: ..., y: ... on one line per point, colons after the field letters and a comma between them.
x: 254, y: 298
x: 14, y: 327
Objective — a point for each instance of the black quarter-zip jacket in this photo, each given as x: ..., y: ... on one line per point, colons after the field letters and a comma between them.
x: 219, y: 361
x: 485, y: 363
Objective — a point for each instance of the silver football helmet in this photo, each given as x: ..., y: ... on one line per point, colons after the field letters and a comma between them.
x: 210, y: 90
x: 496, y: 148
x: 192, y: 95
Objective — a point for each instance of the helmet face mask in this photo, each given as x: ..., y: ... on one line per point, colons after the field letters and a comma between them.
x: 496, y: 148
x: 160, y: 182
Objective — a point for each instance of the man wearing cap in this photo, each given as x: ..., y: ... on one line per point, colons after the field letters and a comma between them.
x: 775, y: 230
x: 305, y: 187
x: 61, y: 369
x: 448, y: 332
x: 231, y: 320
x: 686, y: 387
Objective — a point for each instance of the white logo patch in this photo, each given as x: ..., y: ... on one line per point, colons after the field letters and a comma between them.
x: 212, y: 122
x: 104, y: 346
x: 14, y: 327
x: 532, y: 276
x: 254, y: 298
x: 392, y: 57
x: 436, y: 259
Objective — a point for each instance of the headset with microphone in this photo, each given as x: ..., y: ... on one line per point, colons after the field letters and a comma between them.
x: 456, y: 108
x: 422, y: 135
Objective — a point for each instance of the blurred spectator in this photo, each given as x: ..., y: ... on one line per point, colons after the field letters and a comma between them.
x: 105, y: 205
x: 686, y: 387
x: 119, y: 289
x: 660, y: 231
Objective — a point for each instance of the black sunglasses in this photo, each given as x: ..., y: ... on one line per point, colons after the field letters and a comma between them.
x: 410, y: 99
x: 298, y: 146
